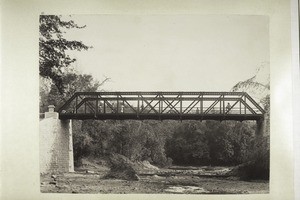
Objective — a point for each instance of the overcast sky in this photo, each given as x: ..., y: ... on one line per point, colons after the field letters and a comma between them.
x: 172, y: 52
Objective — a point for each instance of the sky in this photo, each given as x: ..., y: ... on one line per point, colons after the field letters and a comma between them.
x: 171, y: 52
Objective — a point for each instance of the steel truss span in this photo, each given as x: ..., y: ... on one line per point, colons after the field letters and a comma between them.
x: 237, y: 106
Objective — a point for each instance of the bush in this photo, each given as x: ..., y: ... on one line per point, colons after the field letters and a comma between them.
x: 259, y: 165
x: 121, y: 168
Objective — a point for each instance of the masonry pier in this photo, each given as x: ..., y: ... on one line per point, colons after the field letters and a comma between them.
x: 56, y: 145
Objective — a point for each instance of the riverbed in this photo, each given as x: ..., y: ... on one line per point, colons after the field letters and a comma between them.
x: 174, y: 180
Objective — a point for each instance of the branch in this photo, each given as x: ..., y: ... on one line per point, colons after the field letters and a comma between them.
x: 106, y: 79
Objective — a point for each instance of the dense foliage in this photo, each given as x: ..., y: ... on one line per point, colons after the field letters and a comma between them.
x: 183, y: 143
x: 134, y: 139
x: 211, y: 142
x: 186, y: 143
x: 53, y: 59
x: 73, y: 82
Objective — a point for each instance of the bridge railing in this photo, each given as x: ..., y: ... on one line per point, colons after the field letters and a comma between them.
x: 127, y: 110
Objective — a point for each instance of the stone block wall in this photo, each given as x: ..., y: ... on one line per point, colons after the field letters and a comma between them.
x: 56, y: 148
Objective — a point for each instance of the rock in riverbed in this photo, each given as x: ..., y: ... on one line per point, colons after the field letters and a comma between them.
x: 122, y: 168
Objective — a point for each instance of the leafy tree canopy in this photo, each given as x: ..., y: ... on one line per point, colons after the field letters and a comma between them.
x: 53, y: 46
x: 72, y: 83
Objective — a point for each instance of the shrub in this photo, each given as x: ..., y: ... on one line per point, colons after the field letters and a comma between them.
x: 259, y: 165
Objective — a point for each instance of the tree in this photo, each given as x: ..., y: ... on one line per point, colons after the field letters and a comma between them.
x: 258, y: 164
x: 189, y: 144
x: 52, y: 48
x: 73, y: 83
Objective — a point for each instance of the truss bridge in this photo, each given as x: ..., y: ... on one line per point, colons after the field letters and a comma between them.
x: 237, y: 106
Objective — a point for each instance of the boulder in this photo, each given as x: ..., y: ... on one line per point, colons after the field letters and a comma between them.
x: 122, y: 168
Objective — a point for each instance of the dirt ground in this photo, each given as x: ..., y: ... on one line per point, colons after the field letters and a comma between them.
x: 178, y: 180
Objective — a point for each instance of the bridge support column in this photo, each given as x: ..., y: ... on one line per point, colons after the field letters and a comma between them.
x: 71, y: 154
x: 261, y: 126
x: 56, y: 145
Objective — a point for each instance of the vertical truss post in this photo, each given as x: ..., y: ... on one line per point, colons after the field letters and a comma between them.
x: 162, y: 105
x: 117, y: 104
x: 96, y: 110
x: 245, y: 104
x: 104, y: 106
x: 180, y: 104
x: 159, y: 105
x: 138, y: 105
x: 85, y: 107
x: 223, y: 104
x: 240, y: 107
x: 201, y: 104
x: 76, y: 102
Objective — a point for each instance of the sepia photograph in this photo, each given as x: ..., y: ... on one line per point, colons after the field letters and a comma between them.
x: 154, y: 104
x: 152, y: 99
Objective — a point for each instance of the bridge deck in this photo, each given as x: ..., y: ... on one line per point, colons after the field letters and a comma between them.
x: 161, y: 105
x: 218, y: 117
